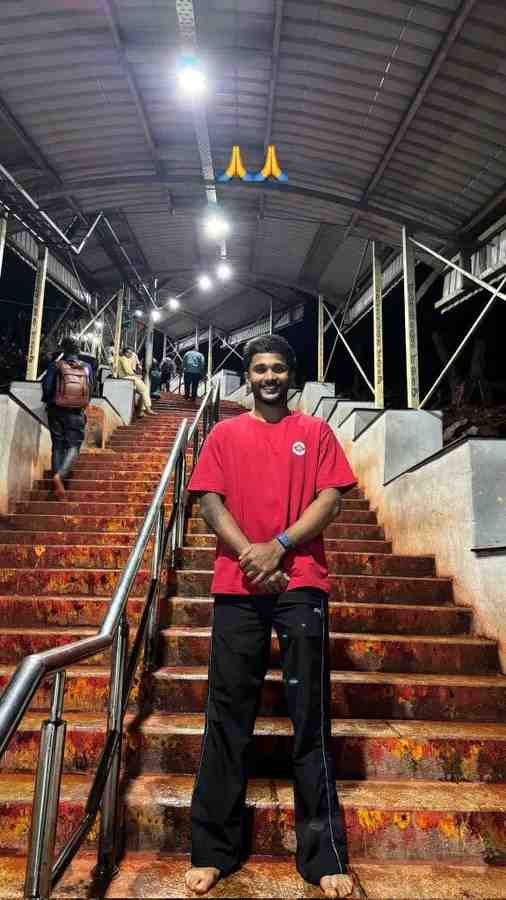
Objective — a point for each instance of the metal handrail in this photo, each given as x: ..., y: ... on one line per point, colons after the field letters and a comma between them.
x: 41, y: 872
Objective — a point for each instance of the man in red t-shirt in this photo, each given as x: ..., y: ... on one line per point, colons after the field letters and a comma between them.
x: 269, y: 483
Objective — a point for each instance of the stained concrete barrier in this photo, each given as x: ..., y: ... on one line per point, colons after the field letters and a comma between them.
x: 353, y: 424
x: 449, y: 502
x: 120, y: 394
x: 25, y: 451
x: 30, y: 393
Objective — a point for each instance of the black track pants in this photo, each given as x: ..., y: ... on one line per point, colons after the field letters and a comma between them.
x: 239, y: 658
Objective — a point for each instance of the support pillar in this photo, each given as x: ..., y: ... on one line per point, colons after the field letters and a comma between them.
x: 197, y: 336
x: 321, y: 337
x: 164, y: 346
x: 410, y: 326
x: 3, y: 238
x: 210, y: 356
x: 148, y: 352
x: 271, y: 322
x: 117, y: 330
x: 37, y: 314
x: 377, y: 280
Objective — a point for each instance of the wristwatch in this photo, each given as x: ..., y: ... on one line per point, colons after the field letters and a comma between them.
x: 285, y: 541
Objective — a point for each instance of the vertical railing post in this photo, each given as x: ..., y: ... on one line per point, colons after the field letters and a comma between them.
x: 410, y: 326
x: 37, y: 314
x: 321, y: 338
x: 151, y: 641
x: 210, y: 357
x: 117, y: 330
x: 377, y: 281
x: 148, y: 352
x: 46, y: 799
x: 271, y: 317
x: 108, y: 842
x: 3, y: 237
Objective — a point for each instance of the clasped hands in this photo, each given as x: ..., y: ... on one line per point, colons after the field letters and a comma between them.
x: 260, y: 563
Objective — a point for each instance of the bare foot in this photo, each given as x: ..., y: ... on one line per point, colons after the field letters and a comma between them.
x: 58, y: 487
x: 336, y: 885
x: 200, y: 880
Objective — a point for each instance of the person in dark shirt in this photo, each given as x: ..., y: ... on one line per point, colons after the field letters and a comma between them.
x: 65, y: 424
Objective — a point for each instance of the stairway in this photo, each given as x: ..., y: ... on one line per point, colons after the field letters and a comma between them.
x: 418, y: 704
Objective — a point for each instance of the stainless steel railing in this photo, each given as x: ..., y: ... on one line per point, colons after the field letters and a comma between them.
x: 42, y: 871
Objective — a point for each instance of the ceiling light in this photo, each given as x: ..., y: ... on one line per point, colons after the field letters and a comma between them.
x: 224, y: 271
x: 216, y: 226
x: 205, y: 283
x: 191, y: 77
x: 156, y: 315
x: 173, y: 303
x: 138, y: 313
x: 99, y: 326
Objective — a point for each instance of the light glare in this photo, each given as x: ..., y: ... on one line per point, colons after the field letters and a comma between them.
x: 191, y: 78
x: 138, y: 313
x: 205, y: 283
x: 173, y: 303
x: 216, y: 226
x: 155, y: 315
x: 223, y: 271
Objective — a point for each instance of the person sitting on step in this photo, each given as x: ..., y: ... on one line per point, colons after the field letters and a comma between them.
x: 269, y: 483
x: 127, y: 368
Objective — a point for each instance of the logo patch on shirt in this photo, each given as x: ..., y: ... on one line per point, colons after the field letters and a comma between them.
x: 299, y: 448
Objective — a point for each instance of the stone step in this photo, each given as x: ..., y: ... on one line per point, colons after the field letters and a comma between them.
x: 367, y: 749
x: 16, y: 643
x: 81, y: 507
x: 138, y: 458
x: 74, y: 611
x: 57, y: 520
x: 109, y: 483
x: 375, y: 618
x: 132, y: 477
x: 378, y: 695
x: 341, y: 546
x: 153, y: 875
x: 342, y: 531
x: 340, y: 562
x: 422, y: 820
x: 86, y: 689
x: 344, y: 588
x: 356, y: 652
x: 47, y: 581
x: 68, y: 538
x: 121, y: 495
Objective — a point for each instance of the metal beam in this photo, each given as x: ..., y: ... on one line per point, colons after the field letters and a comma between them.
x: 117, y: 330
x: 112, y: 18
x: 289, y: 188
x: 3, y: 237
x: 321, y: 340
x: 410, y: 324
x: 37, y: 314
x: 379, y: 394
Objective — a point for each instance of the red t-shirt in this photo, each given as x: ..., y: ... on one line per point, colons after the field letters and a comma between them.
x: 268, y: 474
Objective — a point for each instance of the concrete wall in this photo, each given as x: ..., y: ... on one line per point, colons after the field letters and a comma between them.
x: 25, y: 451
x: 449, y: 503
x: 311, y: 394
x: 102, y: 423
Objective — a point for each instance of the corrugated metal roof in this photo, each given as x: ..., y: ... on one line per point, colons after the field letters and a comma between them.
x: 380, y: 112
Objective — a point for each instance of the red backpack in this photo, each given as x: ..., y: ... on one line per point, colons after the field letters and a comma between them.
x: 72, y: 385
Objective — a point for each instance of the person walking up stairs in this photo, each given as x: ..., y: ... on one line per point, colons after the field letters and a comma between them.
x: 417, y: 703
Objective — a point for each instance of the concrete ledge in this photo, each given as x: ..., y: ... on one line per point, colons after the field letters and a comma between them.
x: 243, y: 396
x: 353, y: 425
x: 25, y: 451
x: 293, y: 399
x: 30, y: 393
x: 346, y: 407
x: 120, y: 393
x: 312, y: 392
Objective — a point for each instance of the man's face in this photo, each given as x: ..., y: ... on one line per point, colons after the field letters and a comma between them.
x: 269, y: 377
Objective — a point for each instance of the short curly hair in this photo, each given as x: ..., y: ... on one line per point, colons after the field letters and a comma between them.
x: 271, y: 343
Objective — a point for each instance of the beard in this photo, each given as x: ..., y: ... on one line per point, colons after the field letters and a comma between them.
x: 278, y: 399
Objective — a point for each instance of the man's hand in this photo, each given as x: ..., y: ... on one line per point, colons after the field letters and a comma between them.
x: 276, y: 583
x: 259, y: 561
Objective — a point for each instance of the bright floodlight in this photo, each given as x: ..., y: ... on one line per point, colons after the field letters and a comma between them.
x: 155, y: 315
x: 191, y: 77
x: 216, y: 226
x: 138, y: 313
x: 99, y: 326
x: 173, y: 303
x: 223, y: 271
x: 205, y: 283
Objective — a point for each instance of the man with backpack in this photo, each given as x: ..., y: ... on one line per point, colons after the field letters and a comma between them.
x: 66, y: 391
